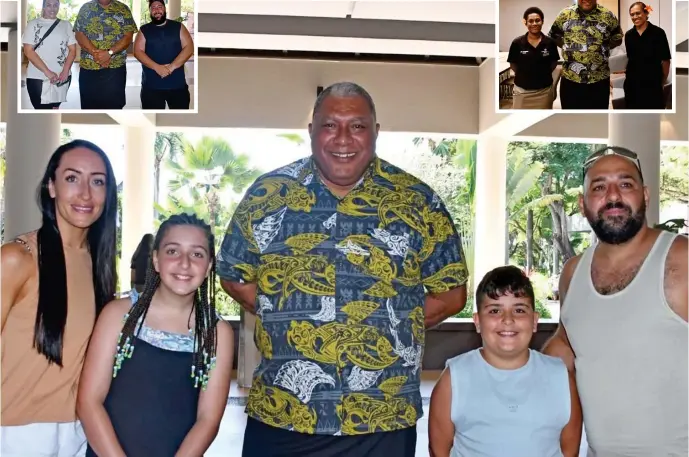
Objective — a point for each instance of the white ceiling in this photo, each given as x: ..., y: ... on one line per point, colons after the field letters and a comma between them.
x: 465, y: 11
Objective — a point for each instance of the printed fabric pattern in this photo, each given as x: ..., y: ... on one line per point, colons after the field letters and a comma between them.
x: 341, y: 288
x: 104, y: 26
x: 587, y: 39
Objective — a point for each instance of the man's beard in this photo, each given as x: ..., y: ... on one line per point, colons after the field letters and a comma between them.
x: 617, y: 229
x: 159, y: 21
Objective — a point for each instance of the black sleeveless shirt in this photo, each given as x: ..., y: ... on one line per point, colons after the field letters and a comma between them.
x: 152, y: 403
x: 163, y: 45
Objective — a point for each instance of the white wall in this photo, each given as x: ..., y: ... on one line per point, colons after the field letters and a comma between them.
x: 661, y: 15
x: 511, y: 18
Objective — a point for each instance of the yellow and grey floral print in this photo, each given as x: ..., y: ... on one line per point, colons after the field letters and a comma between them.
x: 104, y: 26
x: 587, y: 38
x: 341, y: 287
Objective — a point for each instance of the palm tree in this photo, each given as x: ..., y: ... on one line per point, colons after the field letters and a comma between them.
x: 522, y: 176
x: 166, y: 145
x: 205, y: 171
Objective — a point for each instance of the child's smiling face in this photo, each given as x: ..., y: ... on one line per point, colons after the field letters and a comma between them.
x: 183, y: 259
x: 506, y: 324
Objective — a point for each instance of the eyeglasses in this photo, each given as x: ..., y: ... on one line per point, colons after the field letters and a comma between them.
x: 612, y: 151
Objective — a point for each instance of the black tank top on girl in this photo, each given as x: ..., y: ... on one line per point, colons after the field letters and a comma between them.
x: 152, y: 402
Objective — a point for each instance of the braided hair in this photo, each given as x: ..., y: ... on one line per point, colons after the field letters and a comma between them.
x: 204, y: 332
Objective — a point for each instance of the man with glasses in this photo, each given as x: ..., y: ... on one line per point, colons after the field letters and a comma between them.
x: 586, y: 32
x: 623, y: 328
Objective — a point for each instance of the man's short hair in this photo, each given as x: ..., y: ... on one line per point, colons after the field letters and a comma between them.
x: 501, y: 281
x: 343, y: 90
x: 151, y: 2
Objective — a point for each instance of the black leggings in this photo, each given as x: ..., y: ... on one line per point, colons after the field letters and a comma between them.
x: 261, y: 440
x: 35, y: 88
x: 585, y: 96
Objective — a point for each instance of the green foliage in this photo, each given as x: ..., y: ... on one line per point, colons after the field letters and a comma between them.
x: 674, y: 181
x: 69, y: 9
x: 543, y: 182
x: 205, y: 174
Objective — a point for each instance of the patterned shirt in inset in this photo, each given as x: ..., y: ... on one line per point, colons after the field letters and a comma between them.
x: 104, y: 26
x: 587, y: 39
x: 340, y: 301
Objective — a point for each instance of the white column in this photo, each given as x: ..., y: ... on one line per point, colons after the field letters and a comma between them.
x: 136, y: 12
x: 174, y: 9
x: 137, y: 198
x: 24, y: 5
x: 641, y: 134
x: 491, y: 224
x: 248, y: 355
x: 31, y: 140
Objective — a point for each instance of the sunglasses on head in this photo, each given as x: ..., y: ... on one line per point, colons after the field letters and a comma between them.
x: 612, y: 151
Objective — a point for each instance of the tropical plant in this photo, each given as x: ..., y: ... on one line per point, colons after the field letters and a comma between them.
x: 206, y: 174
x: 208, y: 169
x: 674, y: 181
x: 166, y: 145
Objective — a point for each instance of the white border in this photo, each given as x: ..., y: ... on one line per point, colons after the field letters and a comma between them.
x: 673, y: 74
x: 135, y: 112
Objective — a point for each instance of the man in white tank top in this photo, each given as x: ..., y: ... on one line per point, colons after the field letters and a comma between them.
x: 623, y: 327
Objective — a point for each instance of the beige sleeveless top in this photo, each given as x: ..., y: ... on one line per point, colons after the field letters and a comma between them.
x: 631, y: 361
x: 32, y: 390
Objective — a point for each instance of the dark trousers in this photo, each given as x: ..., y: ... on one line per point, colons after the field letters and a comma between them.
x: 35, y: 88
x: 156, y: 99
x: 103, y: 89
x: 585, y: 96
x: 261, y: 440
x: 640, y: 95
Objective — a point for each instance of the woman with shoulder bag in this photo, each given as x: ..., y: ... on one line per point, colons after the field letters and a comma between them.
x: 51, y: 47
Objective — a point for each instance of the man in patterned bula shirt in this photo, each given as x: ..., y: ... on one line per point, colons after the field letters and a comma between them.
x: 586, y: 32
x: 345, y: 259
x: 104, y: 29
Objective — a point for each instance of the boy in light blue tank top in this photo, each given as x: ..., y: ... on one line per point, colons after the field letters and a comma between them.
x: 504, y: 399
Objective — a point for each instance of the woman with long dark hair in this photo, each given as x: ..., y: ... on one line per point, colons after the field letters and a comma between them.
x: 55, y: 281
x: 157, y: 373
x: 649, y: 57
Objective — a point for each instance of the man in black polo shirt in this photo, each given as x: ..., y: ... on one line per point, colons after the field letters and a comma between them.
x: 163, y: 47
x: 532, y: 58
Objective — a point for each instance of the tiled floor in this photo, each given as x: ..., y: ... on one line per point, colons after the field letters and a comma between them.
x: 229, y: 440
x: 133, y: 88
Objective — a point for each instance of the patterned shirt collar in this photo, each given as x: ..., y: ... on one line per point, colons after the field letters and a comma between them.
x: 369, y: 172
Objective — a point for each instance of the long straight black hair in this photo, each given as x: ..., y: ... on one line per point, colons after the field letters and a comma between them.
x: 51, y: 315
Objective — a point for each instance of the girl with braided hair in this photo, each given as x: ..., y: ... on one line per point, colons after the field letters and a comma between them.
x: 157, y: 372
